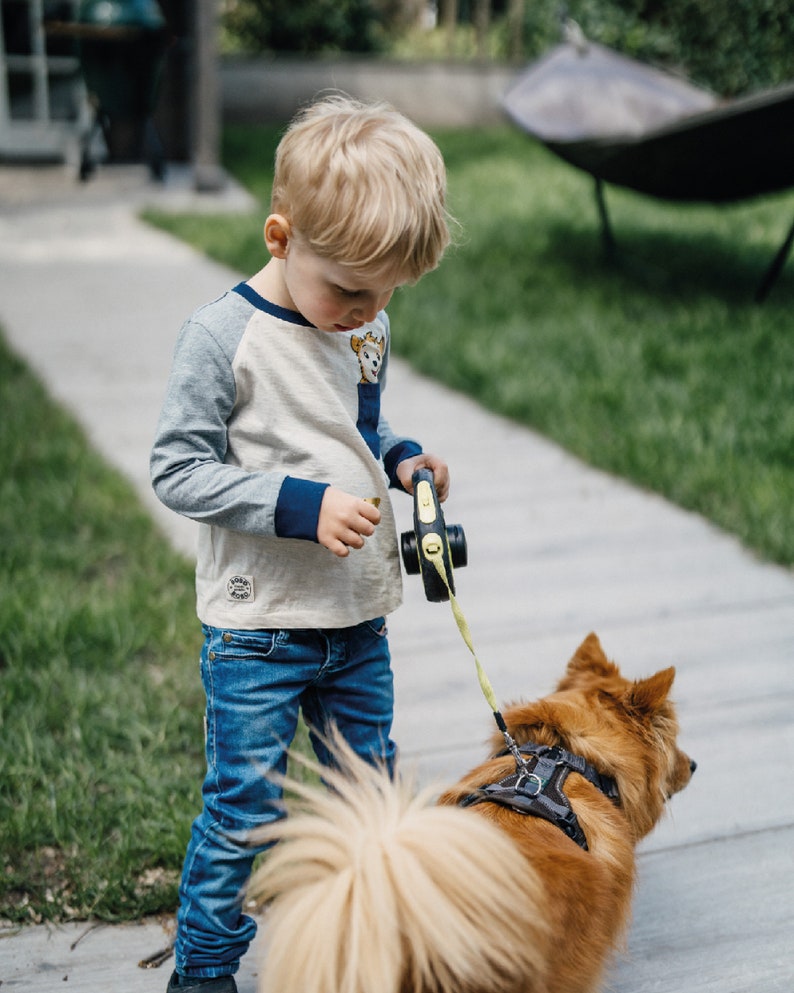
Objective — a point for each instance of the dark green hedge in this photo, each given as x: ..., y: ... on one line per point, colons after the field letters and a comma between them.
x: 729, y: 46
x: 305, y: 27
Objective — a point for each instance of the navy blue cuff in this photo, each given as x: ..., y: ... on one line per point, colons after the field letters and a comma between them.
x: 401, y: 451
x: 298, y: 508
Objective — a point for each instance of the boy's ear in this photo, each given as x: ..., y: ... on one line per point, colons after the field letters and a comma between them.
x: 277, y: 235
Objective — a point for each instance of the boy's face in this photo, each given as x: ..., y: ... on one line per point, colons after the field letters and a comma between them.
x: 334, y: 297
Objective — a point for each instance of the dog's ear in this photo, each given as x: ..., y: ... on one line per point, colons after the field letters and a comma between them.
x: 591, y: 669
x: 589, y: 657
x: 647, y: 695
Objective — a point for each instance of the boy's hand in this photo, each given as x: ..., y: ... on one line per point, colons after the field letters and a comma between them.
x: 345, y: 521
x: 437, y: 466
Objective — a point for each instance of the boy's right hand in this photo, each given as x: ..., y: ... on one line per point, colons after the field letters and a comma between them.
x: 345, y: 521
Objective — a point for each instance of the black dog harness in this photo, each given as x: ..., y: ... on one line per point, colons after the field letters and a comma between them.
x: 536, y: 787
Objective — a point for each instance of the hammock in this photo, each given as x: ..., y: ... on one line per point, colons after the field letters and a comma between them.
x: 635, y: 126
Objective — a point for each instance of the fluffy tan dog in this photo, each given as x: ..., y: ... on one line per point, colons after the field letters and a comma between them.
x: 377, y: 889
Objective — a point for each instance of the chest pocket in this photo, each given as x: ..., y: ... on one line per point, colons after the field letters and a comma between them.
x: 369, y: 415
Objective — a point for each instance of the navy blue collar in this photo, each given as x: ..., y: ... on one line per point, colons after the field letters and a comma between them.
x: 291, y: 316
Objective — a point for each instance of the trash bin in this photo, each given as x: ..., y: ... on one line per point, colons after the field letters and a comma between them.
x: 122, y: 46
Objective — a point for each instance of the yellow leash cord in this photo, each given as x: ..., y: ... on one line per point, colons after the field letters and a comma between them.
x: 463, y: 627
x: 482, y: 676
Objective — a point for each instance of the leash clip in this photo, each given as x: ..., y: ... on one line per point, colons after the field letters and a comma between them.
x: 523, y: 770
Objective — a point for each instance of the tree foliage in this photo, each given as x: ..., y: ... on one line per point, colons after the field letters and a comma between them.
x: 729, y: 46
x: 309, y: 27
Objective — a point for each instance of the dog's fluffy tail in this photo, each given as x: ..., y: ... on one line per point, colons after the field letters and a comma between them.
x: 374, y: 889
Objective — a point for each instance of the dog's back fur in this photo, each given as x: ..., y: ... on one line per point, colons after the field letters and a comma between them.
x: 376, y: 889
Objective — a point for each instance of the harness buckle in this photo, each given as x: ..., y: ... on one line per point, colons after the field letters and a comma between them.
x: 570, y: 825
x: 526, y: 777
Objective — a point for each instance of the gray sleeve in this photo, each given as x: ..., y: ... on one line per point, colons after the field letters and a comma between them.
x: 187, y: 461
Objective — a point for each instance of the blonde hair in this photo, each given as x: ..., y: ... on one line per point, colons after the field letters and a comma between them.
x: 363, y: 185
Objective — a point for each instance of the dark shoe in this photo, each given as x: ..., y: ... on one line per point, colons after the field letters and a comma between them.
x: 220, y: 984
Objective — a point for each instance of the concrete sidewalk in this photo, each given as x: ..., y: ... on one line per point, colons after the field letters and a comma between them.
x: 93, y: 299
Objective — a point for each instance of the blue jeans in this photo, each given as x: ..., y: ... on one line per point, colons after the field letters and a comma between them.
x: 256, y: 683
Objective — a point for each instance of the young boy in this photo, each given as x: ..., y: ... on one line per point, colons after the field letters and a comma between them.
x: 272, y: 437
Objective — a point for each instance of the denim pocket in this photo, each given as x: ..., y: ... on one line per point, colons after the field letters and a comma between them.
x: 241, y: 646
x: 378, y: 627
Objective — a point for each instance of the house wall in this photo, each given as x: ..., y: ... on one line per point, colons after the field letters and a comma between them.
x: 264, y: 90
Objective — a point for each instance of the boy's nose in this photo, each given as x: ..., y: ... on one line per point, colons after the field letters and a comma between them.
x: 366, y: 312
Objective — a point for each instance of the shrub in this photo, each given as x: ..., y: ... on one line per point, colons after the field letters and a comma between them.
x: 729, y: 46
x: 306, y: 28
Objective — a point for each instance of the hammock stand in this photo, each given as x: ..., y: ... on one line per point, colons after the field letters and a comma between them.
x: 635, y: 126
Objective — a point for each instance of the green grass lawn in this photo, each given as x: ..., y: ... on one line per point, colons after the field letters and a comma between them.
x: 100, y: 700
x: 101, y: 735
x: 658, y: 367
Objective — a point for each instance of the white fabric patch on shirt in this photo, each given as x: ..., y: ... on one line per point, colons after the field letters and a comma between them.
x: 240, y: 588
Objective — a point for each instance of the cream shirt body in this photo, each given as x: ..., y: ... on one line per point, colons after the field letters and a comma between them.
x: 262, y: 412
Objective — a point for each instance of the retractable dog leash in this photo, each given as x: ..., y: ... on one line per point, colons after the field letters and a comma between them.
x: 536, y: 788
x: 432, y: 549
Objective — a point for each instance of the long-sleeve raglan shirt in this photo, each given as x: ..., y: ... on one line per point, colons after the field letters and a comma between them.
x: 262, y: 412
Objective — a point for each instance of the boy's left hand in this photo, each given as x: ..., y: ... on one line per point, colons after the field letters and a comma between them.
x: 437, y: 466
